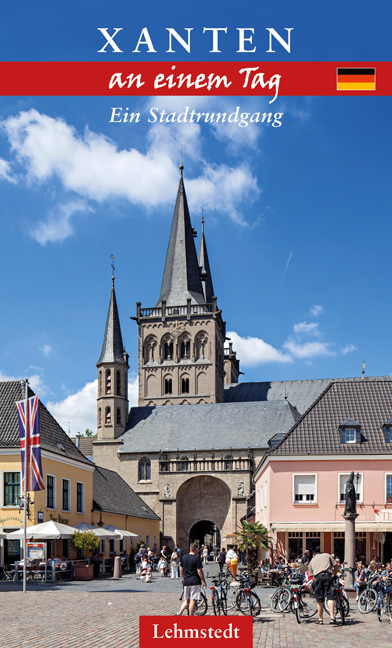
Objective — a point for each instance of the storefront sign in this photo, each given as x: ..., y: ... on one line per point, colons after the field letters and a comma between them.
x: 232, y: 632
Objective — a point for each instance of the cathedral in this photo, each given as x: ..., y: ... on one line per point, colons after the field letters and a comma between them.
x: 191, y: 446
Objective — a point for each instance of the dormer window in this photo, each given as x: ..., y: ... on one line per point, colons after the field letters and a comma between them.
x: 387, y: 429
x: 350, y: 431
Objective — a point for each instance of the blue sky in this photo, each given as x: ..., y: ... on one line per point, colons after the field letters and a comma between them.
x: 297, y: 217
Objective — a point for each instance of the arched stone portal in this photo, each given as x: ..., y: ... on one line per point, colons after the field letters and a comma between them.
x: 201, y: 499
x: 205, y: 532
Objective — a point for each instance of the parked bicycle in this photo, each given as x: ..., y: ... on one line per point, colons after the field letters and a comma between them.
x: 384, y: 599
x: 218, y: 595
x: 247, y: 602
x: 201, y: 605
x: 341, y: 604
x: 302, y: 603
x: 368, y: 598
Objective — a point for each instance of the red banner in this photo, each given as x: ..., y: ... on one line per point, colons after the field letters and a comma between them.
x: 181, y: 78
x: 231, y: 631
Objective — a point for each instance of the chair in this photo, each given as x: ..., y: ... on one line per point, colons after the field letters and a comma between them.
x: 8, y: 574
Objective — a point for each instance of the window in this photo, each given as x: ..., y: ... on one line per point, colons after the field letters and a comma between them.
x: 118, y: 385
x: 100, y: 383
x: 349, y: 435
x: 122, y: 545
x: 183, y: 464
x: 79, y: 497
x: 12, y: 490
x: 389, y: 489
x: 108, y: 416
x: 66, y: 546
x: 118, y: 416
x: 168, y: 351
x: 185, y: 386
x: 108, y: 381
x: 103, y: 546
x: 66, y: 504
x: 185, y: 350
x: 265, y: 493
x: 304, y: 489
x: 50, y: 492
x: 168, y: 386
x: 112, y: 544
x: 228, y: 461
x: 343, y: 478
x: 144, y: 469
x: 99, y: 416
x: 147, y: 540
x: 261, y: 498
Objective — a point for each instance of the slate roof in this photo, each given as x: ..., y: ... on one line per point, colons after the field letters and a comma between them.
x: 50, y: 431
x: 367, y: 401
x: 111, y: 494
x: 85, y: 445
x: 300, y: 393
x: 205, y: 270
x: 216, y: 425
x: 112, y: 347
x: 181, y: 276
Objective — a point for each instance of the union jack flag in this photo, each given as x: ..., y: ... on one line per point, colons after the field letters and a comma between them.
x: 30, y: 444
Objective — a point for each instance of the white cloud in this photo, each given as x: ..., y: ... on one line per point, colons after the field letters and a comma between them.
x: 35, y: 381
x: 306, y: 328
x: 92, y: 166
x: 5, y: 171
x: 58, y: 226
x: 78, y: 411
x: 349, y: 348
x: 253, y: 351
x: 316, y: 310
x: 308, y: 349
x: 46, y: 349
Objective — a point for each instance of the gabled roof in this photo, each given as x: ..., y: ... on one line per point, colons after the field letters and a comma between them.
x: 300, y: 393
x: 111, y: 494
x: 85, y: 445
x: 181, y: 276
x: 53, y: 437
x: 112, y: 347
x: 348, y: 422
x: 368, y: 402
x: 205, y: 270
x: 203, y: 427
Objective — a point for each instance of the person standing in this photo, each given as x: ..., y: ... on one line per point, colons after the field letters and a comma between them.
x: 222, y: 559
x: 205, y: 555
x: 191, y: 569
x: 174, y: 564
x: 215, y: 550
x: 323, y: 568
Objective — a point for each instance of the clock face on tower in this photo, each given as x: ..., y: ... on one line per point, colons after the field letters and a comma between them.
x: 176, y: 328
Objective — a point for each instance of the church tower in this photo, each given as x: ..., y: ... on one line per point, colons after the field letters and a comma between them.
x: 181, y: 339
x: 112, y: 402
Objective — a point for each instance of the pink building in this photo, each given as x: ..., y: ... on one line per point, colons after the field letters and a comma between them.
x: 300, y: 483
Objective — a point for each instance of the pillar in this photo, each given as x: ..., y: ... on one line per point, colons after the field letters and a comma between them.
x: 349, y: 548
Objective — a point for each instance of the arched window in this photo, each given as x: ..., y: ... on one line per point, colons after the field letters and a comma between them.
x: 168, y: 351
x: 118, y: 385
x: 144, y: 469
x: 184, y: 385
x: 100, y: 383
x: 201, y: 345
x: 168, y: 386
x: 108, y: 416
x: 185, y: 350
x: 108, y: 381
x: 99, y: 416
x: 118, y: 416
x: 228, y: 462
x: 183, y: 464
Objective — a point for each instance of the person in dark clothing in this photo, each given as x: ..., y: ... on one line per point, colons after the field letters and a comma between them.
x: 191, y: 569
x: 222, y: 559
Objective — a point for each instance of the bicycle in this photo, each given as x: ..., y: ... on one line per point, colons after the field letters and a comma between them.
x: 201, y: 605
x: 384, y: 599
x: 341, y: 604
x: 218, y: 596
x: 247, y: 602
x: 303, y: 603
x: 368, y: 598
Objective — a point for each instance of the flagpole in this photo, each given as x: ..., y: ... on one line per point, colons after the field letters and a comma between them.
x: 27, y: 423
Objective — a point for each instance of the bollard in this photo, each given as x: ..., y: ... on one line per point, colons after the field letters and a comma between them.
x: 117, y: 567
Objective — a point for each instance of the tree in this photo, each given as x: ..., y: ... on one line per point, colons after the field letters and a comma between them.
x: 89, y: 433
x: 85, y: 541
x: 251, y: 536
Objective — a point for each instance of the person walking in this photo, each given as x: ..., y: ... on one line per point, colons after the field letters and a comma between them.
x: 222, y: 559
x: 191, y: 570
x: 323, y: 568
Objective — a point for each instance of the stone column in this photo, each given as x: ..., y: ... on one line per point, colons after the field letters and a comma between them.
x: 349, y: 548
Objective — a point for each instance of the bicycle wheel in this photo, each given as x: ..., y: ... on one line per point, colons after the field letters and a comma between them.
x: 280, y: 600
x: 275, y: 601
x: 295, y: 608
x: 215, y: 603
x: 201, y: 605
x: 367, y: 601
x: 231, y: 595
x: 223, y: 602
x: 307, y: 605
x: 248, y: 605
x: 339, y: 609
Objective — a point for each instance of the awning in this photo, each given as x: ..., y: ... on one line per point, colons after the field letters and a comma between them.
x: 46, y: 531
x: 123, y: 533
x: 101, y: 533
x: 331, y: 526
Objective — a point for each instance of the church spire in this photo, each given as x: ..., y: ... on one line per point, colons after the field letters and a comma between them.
x: 112, y: 348
x: 204, y: 264
x: 181, y: 276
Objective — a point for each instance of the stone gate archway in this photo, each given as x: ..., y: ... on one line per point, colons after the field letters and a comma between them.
x: 201, y: 498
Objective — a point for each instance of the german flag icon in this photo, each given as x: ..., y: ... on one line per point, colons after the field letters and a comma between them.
x: 356, y: 78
